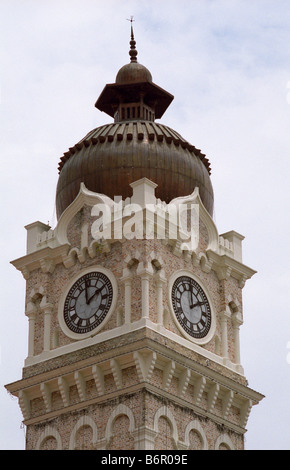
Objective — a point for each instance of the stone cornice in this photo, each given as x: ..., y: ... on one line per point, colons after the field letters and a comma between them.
x: 146, y: 355
x: 225, y: 266
x: 129, y: 345
x: 45, y: 259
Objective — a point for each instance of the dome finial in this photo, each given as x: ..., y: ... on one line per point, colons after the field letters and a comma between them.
x: 133, y: 52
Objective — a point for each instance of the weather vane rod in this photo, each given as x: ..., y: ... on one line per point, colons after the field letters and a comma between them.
x: 133, y: 52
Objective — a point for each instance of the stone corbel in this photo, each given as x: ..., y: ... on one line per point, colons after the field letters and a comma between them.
x: 212, y: 397
x: 64, y: 390
x: 117, y: 373
x: 46, y: 395
x: 25, y: 272
x: 205, y: 263
x: 81, y: 385
x: 177, y: 248
x: 47, y: 265
x: 184, y: 379
x: 245, y: 412
x: 145, y: 362
x: 227, y: 403
x: 69, y: 259
x: 223, y: 272
x: 24, y: 403
x: 82, y: 254
x: 98, y: 375
x: 168, y: 372
x: 198, y: 389
x: 242, y: 281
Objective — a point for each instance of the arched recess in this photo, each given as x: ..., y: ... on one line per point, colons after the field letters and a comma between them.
x: 164, y: 412
x: 224, y: 442
x: 117, y: 412
x: 82, y: 422
x: 196, y: 426
x: 49, y: 432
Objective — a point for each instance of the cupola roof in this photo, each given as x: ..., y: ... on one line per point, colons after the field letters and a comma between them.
x: 133, y: 84
x: 111, y: 157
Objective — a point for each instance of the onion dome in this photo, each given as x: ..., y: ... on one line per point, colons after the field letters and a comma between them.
x: 111, y: 157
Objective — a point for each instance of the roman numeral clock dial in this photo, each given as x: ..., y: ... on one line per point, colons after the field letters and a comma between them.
x: 88, y: 302
x: 191, y: 307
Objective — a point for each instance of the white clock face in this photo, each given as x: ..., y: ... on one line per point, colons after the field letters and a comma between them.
x: 88, y: 302
x: 191, y: 307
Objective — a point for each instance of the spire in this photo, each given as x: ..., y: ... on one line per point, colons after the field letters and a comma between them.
x: 133, y: 96
x: 133, y: 52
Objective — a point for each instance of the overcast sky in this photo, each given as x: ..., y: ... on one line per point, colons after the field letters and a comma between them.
x: 227, y: 62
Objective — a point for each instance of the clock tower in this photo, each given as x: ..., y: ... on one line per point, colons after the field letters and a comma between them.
x: 134, y: 299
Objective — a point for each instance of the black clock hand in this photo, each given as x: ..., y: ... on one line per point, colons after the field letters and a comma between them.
x: 191, y: 295
x: 197, y: 304
x: 92, y: 296
x: 86, y: 289
x: 192, y: 304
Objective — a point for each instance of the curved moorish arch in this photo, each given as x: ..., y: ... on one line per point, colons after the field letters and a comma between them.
x: 166, y: 413
x: 83, y: 421
x: 224, y: 439
x: 49, y: 431
x: 118, y: 411
x: 196, y: 426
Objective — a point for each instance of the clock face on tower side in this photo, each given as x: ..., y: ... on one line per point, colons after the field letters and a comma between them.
x: 191, y: 307
x: 88, y: 302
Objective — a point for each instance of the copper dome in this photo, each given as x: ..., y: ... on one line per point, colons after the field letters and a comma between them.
x: 132, y: 73
x: 108, y: 159
x: 112, y: 156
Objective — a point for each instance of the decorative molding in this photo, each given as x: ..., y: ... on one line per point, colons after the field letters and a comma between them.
x: 98, y: 375
x: 227, y: 402
x: 84, y: 197
x: 225, y: 267
x: 146, y: 361
x: 64, y: 390
x: 223, y: 252
x: 184, y: 379
x: 117, y: 372
x: 199, y: 386
x: 168, y: 374
x: 245, y: 412
x: 81, y: 385
x: 212, y: 397
x: 24, y: 403
x: 46, y: 394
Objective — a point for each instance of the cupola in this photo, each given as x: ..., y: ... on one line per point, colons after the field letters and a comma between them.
x: 112, y: 156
